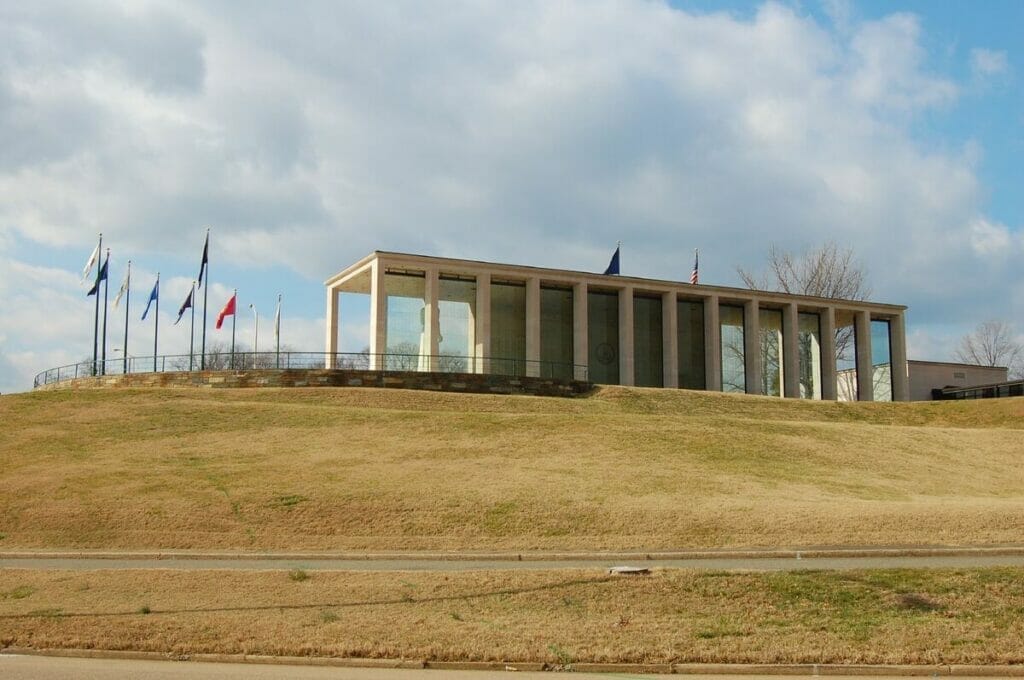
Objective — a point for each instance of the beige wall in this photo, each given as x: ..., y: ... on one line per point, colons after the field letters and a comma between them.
x: 928, y: 375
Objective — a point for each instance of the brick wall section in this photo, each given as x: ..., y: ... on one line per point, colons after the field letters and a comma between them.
x: 410, y: 380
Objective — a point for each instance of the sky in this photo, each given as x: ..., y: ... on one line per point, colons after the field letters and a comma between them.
x: 306, y: 136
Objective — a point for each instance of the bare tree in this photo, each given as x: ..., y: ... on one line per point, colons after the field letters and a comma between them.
x: 828, y: 271
x: 992, y: 344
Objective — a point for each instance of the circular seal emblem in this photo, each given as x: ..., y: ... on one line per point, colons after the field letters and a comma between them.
x: 605, y: 353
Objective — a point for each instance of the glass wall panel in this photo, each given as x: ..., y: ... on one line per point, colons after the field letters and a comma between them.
x: 770, y: 342
x: 405, y: 314
x: 734, y: 374
x: 691, y: 345
x: 648, y: 341
x: 457, y: 309
x: 603, y: 336
x: 846, y: 357
x: 508, y: 328
x: 809, y: 352
x: 353, y: 331
x: 880, y: 362
x: 556, y: 342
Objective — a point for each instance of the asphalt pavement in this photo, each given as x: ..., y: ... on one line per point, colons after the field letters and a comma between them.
x: 16, y: 667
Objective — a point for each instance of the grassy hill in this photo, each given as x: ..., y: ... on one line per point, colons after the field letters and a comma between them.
x: 349, y: 469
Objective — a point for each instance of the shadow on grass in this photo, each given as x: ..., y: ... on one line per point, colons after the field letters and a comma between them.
x: 404, y: 599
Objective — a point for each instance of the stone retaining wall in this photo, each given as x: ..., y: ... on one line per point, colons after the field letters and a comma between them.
x: 411, y: 380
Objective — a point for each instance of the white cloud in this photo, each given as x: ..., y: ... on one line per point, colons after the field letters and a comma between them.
x: 987, y: 63
x: 988, y: 238
x: 888, y: 72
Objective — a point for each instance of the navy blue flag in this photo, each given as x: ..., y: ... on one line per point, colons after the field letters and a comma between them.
x: 613, y: 266
x: 102, y: 276
x: 206, y: 258
x: 152, y: 296
x: 185, y: 305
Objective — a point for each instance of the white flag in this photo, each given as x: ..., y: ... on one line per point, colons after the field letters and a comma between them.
x: 89, y: 265
x: 124, y: 286
x: 277, y: 321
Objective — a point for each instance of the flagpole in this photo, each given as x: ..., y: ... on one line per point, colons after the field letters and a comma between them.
x: 127, y: 298
x: 277, y: 330
x: 202, y: 356
x: 96, y: 316
x: 192, y: 330
x: 234, y: 317
x: 156, y: 319
x: 106, y: 290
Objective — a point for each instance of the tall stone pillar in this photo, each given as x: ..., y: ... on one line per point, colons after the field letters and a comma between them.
x: 431, y: 320
x: 791, y: 351
x: 670, y: 339
x: 580, y: 329
x: 533, y: 327
x: 865, y: 367
x: 331, y: 326
x: 828, y: 354
x: 483, y: 323
x: 712, y: 345
x: 752, y: 346
x: 898, y: 357
x: 378, y: 317
x: 626, y: 360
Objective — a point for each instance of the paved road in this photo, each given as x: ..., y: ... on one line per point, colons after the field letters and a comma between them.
x: 57, y: 668
x: 741, y: 563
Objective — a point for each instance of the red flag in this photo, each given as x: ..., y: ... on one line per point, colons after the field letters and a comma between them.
x: 229, y: 310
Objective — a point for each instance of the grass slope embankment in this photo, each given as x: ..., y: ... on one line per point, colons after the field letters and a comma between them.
x: 352, y: 469
x: 930, y: 616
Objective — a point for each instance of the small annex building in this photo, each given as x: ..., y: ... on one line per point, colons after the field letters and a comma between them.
x: 442, y: 314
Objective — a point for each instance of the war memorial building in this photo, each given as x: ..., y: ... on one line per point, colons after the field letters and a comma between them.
x: 441, y: 314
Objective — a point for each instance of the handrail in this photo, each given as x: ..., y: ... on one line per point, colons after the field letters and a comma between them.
x: 360, y: 361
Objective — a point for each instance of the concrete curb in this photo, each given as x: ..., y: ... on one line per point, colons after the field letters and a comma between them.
x: 1002, y: 671
x: 769, y: 553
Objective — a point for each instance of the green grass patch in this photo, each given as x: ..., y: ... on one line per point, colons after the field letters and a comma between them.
x: 19, y: 593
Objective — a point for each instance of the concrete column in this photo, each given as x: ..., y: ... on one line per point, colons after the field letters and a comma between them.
x: 626, y: 374
x: 378, y: 317
x: 533, y: 327
x: 712, y: 345
x: 431, y: 320
x: 865, y: 367
x: 791, y: 351
x: 331, y: 326
x: 670, y: 339
x: 752, y: 346
x: 828, y: 354
x: 898, y: 357
x: 483, y: 323
x: 580, y: 326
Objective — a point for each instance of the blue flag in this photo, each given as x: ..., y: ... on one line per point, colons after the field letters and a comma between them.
x: 185, y: 305
x: 613, y: 266
x: 155, y: 295
x: 102, y: 276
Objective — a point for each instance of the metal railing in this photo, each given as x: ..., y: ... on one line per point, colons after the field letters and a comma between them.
x: 353, y: 361
x: 1010, y: 388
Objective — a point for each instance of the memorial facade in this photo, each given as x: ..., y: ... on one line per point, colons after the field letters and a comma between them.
x: 442, y: 314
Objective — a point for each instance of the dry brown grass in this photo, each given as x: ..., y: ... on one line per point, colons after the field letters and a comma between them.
x: 349, y: 469
x: 885, y: 616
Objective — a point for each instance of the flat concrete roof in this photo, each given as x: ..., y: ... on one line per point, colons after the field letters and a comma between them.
x: 956, y: 364
x: 611, y: 281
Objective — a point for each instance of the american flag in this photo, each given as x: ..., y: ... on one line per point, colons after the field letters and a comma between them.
x: 693, y: 275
